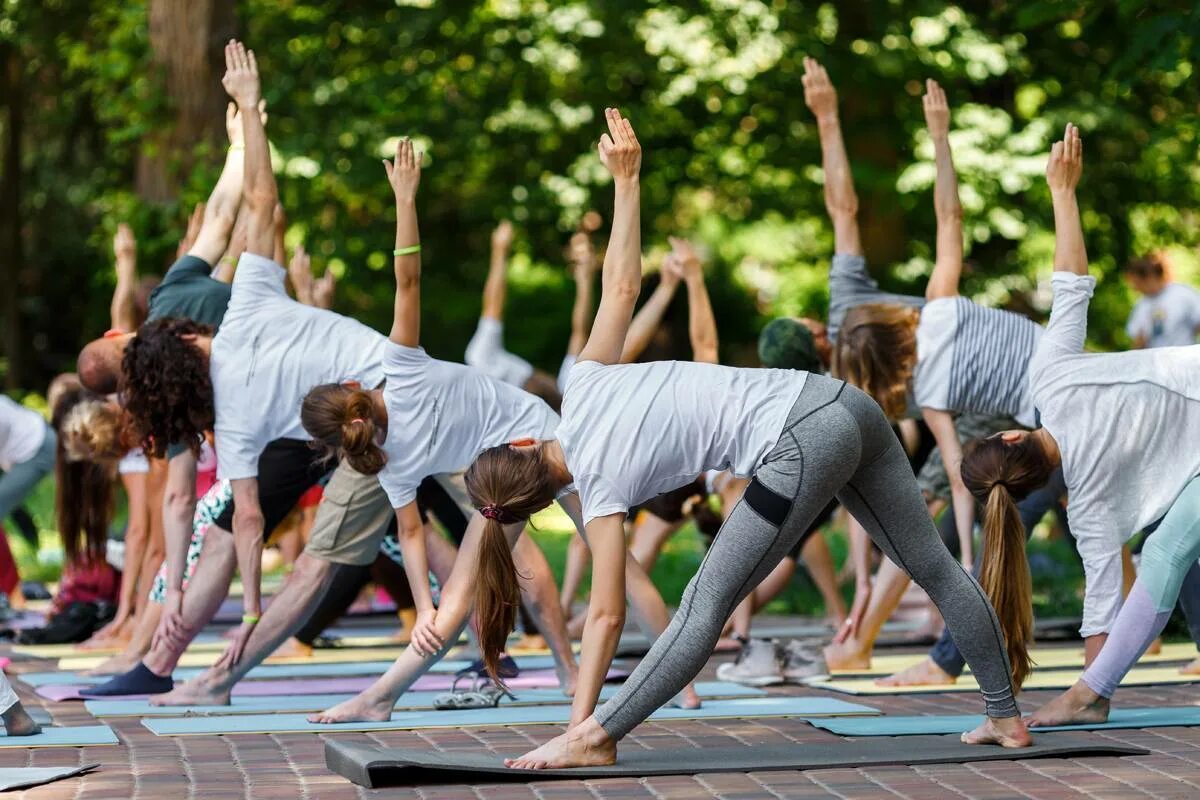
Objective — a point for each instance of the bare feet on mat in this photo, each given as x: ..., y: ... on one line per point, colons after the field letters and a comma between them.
x: 585, y: 745
x: 847, y: 656
x: 196, y: 692
x: 17, y: 722
x: 1191, y: 669
x: 530, y: 642
x: 293, y: 648
x: 117, y: 665
x: 1075, y: 706
x: 688, y: 698
x: 1005, y: 731
x: 359, y: 708
x: 927, y: 673
x: 1155, y: 647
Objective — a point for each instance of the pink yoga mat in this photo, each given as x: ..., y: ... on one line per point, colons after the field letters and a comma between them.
x: 532, y: 679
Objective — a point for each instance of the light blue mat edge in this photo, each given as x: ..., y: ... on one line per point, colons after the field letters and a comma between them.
x: 80, y: 736
x: 1121, y: 718
x: 409, y: 701
x: 512, y: 715
x: 13, y: 778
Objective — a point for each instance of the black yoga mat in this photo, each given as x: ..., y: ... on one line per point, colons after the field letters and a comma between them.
x: 374, y: 766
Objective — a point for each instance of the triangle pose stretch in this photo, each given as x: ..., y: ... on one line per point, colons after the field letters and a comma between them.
x: 1114, y: 423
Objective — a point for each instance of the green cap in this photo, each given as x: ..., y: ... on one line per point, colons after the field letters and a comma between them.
x: 786, y: 343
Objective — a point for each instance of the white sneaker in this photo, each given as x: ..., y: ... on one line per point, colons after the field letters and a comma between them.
x: 802, y: 663
x: 757, y: 664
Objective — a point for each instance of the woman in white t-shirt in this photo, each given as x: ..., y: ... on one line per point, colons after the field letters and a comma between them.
x: 433, y: 417
x: 1117, y: 424
x: 631, y: 431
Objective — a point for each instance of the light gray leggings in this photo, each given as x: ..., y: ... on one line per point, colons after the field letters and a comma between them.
x: 836, y: 441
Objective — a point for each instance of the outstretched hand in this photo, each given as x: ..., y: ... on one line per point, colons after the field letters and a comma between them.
x: 502, y: 236
x: 300, y: 271
x: 241, y: 80
x: 404, y: 172
x: 686, y: 257
x: 937, y: 110
x: 124, y: 244
x: 323, y: 289
x: 1065, y: 166
x: 819, y: 94
x: 619, y: 149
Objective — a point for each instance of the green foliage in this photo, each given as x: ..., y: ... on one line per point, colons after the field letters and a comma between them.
x: 504, y: 95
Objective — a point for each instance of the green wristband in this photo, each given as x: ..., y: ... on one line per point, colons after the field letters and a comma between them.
x: 407, y: 251
x: 250, y: 619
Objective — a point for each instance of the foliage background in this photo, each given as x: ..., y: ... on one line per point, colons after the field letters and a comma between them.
x: 505, y: 95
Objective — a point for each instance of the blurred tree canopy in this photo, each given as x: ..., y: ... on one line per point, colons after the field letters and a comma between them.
x: 505, y: 96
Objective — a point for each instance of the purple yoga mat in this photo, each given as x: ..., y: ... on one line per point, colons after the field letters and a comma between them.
x: 532, y: 679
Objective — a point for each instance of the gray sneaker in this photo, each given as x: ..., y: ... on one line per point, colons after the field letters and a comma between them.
x: 803, y: 663
x: 758, y: 664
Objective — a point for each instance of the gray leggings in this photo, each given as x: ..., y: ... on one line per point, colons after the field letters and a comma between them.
x: 836, y: 442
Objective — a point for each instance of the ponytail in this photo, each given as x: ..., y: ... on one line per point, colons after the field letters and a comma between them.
x: 84, y: 501
x: 341, y: 420
x: 508, y: 485
x: 1004, y: 575
x: 1000, y: 473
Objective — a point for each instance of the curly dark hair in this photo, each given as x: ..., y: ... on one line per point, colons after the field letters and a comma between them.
x: 167, y: 389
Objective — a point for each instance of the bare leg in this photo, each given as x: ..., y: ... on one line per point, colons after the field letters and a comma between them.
x: 206, y: 590
x: 649, y: 536
x: 578, y: 557
x: 651, y: 615
x: 540, y: 596
x: 819, y: 562
x: 284, y: 616
x: 855, y: 651
x: 138, y: 646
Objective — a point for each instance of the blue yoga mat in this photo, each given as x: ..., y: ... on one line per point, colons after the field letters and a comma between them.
x: 342, y: 670
x: 510, y: 715
x: 83, y: 736
x: 409, y: 701
x: 1164, y: 717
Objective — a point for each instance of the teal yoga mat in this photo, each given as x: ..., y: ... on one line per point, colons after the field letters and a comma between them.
x: 84, y: 736
x: 1164, y: 717
x: 505, y: 715
x: 409, y: 701
x: 13, y: 778
x: 343, y: 670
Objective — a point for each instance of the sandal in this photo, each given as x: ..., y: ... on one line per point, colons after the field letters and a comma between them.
x: 483, y: 694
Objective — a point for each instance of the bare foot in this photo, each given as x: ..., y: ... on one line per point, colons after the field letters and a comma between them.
x: 17, y: 722
x: 196, y: 692
x: 847, y: 656
x: 1155, y: 647
x: 293, y: 648
x: 1191, y: 669
x: 117, y: 665
x: 1004, y: 731
x: 927, y: 673
x: 359, y: 708
x: 727, y: 644
x: 688, y: 698
x: 585, y: 745
x: 530, y: 642
x: 1075, y: 706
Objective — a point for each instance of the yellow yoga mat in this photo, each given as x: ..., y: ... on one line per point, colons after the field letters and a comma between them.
x: 72, y: 651
x: 1139, y: 676
x: 1044, y: 658
x: 209, y: 657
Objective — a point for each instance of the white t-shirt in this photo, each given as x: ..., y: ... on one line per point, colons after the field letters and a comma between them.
x: 972, y: 359
x: 486, y: 353
x: 633, y: 431
x: 269, y: 353
x: 22, y: 432
x: 134, y: 463
x: 1128, y: 427
x: 1167, y: 319
x: 442, y: 415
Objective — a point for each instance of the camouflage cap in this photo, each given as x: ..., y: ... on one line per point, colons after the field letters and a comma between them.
x: 786, y: 343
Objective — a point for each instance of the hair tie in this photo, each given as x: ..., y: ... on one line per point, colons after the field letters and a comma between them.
x: 358, y: 420
x: 499, y: 514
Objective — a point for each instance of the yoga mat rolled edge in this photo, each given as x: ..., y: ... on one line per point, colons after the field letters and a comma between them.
x: 13, y: 778
x: 1119, y: 719
x: 374, y: 766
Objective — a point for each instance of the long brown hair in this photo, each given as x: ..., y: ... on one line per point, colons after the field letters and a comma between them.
x: 999, y: 474
x: 341, y: 419
x: 84, y: 501
x: 877, y: 352
x: 508, y: 485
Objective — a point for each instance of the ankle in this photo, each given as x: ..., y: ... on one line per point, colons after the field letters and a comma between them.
x: 591, y: 733
x: 1086, y: 695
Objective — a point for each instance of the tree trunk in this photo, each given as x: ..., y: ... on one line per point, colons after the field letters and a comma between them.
x: 186, y: 43
x: 11, y: 251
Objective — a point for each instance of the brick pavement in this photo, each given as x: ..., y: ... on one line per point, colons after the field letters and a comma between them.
x: 265, y: 767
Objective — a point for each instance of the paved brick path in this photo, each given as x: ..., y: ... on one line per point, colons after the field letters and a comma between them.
x: 293, y: 766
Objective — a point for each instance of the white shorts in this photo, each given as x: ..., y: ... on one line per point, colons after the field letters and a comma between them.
x: 486, y: 353
x: 134, y: 463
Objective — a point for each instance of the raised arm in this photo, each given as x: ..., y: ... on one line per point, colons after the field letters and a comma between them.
x: 237, y: 245
x: 841, y: 202
x: 259, y: 192
x: 947, y: 268
x: 583, y: 260
x: 404, y: 174
x: 122, y: 311
x: 221, y: 210
x: 300, y: 273
x: 649, y: 316
x: 1063, y: 171
x: 702, y: 324
x: 496, y: 286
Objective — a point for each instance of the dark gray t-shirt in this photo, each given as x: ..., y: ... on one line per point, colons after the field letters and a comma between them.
x: 189, y: 291
x: 851, y: 285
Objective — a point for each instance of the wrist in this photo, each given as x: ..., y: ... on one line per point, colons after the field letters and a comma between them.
x: 628, y: 182
x: 828, y: 120
x: 1065, y: 193
x: 405, y: 201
